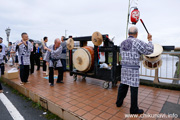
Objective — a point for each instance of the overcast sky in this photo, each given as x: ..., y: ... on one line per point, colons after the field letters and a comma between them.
x: 51, y: 18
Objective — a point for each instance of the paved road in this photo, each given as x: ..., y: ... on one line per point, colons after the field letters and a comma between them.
x: 4, y: 114
x: 24, y: 107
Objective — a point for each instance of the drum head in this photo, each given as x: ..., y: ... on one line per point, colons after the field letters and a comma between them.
x: 81, y: 59
x: 97, y: 38
x: 152, y: 59
x: 158, y: 49
x: 70, y: 44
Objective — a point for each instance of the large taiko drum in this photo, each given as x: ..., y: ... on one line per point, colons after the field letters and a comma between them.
x: 83, y: 59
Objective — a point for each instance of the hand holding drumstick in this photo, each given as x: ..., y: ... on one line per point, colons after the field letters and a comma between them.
x: 149, y: 37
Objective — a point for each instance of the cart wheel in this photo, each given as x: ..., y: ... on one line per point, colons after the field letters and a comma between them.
x: 106, y: 85
x: 75, y: 77
x: 114, y: 85
x: 83, y: 77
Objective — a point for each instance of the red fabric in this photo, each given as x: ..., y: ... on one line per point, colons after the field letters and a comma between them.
x: 98, y: 52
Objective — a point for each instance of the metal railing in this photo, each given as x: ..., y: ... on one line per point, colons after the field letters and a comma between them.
x: 170, y: 69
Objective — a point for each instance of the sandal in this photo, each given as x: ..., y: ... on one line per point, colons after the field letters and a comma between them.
x: 1, y: 91
x: 21, y: 83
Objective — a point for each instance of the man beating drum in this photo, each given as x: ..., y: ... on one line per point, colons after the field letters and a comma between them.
x: 131, y: 49
x: 52, y: 58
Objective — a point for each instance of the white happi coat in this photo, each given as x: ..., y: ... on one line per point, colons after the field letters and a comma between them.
x: 23, y: 52
x: 1, y: 57
x: 3, y: 48
x: 54, y: 55
x: 131, y: 50
x: 43, y: 50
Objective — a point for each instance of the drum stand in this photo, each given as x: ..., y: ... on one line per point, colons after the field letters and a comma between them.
x: 112, y: 75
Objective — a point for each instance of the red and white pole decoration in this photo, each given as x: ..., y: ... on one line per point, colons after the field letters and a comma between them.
x: 135, y: 14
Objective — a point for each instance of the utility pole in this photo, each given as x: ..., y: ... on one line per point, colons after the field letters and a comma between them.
x: 65, y: 33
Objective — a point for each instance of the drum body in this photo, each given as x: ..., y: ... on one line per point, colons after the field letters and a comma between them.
x: 152, y: 62
x: 83, y: 59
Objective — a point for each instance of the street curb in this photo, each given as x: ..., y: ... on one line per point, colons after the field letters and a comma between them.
x: 45, y: 103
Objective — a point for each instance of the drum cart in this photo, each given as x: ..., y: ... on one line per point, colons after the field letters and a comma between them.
x: 108, y: 75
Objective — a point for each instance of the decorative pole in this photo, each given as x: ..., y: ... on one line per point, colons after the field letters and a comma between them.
x: 8, y: 30
x: 134, y: 14
x: 127, y: 20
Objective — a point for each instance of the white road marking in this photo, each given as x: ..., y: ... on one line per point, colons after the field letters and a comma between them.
x: 11, y: 108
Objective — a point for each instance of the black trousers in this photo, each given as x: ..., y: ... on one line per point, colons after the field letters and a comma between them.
x: 122, y: 92
x: 16, y: 59
x: 32, y: 64
x: 0, y: 83
x: 44, y: 65
x: 51, y: 74
x: 63, y: 61
x: 0, y: 87
x: 2, y: 69
x: 37, y: 60
x: 24, y: 73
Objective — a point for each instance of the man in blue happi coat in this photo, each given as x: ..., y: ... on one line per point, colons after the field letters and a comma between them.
x: 131, y: 49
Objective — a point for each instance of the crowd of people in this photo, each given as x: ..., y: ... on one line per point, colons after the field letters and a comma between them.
x: 25, y: 53
x: 54, y: 57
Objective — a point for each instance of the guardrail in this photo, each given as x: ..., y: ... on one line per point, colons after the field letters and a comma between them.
x: 170, y: 69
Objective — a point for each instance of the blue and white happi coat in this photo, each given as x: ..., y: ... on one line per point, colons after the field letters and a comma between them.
x: 54, y: 55
x: 64, y: 48
x: 131, y: 49
x: 23, y: 52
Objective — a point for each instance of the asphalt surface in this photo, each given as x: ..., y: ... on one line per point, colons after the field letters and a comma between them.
x: 4, y: 114
x: 171, y: 108
x: 24, y: 107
